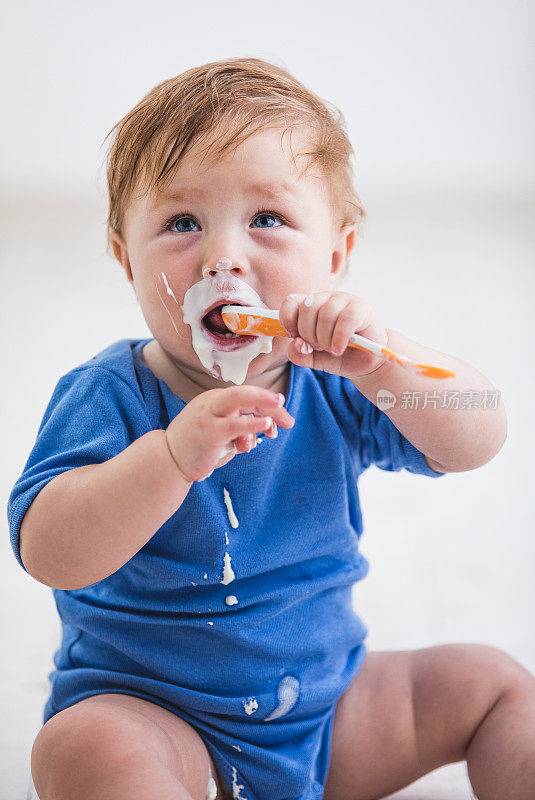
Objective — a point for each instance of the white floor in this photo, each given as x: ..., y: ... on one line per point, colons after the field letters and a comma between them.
x: 451, y: 559
x: 448, y: 783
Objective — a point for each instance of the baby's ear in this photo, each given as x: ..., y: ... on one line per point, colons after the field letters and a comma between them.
x: 344, y: 242
x: 120, y: 251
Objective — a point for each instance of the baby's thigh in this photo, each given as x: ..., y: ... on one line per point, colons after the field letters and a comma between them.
x: 107, y: 734
x: 407, y: 713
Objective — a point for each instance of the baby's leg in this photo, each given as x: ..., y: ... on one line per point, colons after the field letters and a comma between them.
x: 119, y: 747
x: 407, y: 713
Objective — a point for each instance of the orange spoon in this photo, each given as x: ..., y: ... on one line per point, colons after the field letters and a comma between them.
x: 251, y: 321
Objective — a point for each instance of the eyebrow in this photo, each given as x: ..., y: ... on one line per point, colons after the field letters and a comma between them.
x: 265, y: 189
x: 271, y: 189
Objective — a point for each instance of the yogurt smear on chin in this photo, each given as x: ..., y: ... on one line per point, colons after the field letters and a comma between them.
x: 233, y: 364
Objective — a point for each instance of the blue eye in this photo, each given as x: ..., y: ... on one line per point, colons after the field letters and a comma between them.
x: 183, y: 224
x: 267, y: 220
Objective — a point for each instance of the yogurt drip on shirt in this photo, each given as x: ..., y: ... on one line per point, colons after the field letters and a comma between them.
x: 233, y: 365
x: 287, y: 693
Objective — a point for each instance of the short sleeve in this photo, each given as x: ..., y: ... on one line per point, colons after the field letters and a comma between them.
x: 382, y: 444
x: 372, y: 435
x: 93, y: 415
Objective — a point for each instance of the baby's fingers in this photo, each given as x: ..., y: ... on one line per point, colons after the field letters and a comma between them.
x: 241, y: 400
x: 228, y: 428
x: 288, y: 314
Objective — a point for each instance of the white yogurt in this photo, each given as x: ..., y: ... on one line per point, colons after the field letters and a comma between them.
x: 211, y: 791
x: 163, y: 277
x: 220, y: 284
x: 287, y: 694
x: 237, y: 787
x: 228, y: 572
x: 250, y: 705
x: 232, y: 518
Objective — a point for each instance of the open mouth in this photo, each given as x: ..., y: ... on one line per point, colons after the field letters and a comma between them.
x: 213, y: 323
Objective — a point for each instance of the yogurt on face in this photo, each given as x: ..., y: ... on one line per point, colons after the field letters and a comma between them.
x: 232, y: 356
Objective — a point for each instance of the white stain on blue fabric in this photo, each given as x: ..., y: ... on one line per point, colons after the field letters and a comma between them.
x: 228, y: 572
x: 250, y: 705
x: 237, y: 747
x: 232, y: 518
x: 211, y: 791
x: 237, y: 787
x: 231, y: 600
x: 287, y: 694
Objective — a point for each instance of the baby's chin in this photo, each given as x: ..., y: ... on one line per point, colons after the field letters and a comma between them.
x: 259, y: 370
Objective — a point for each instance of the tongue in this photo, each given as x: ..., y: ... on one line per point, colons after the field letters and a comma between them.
x: 214, y: 321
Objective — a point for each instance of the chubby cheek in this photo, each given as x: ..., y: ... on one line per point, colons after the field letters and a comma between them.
x: 299, y: 279
x: 160, y: 297
x: 277, y: 269
x: 302, y: 266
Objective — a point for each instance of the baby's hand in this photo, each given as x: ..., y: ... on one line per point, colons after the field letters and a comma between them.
x: 219, y: 423
x: 320, y: 325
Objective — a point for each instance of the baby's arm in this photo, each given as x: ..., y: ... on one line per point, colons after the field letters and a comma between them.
x: 445, y: 419
x: 89, y: 521
x: 446, y: 424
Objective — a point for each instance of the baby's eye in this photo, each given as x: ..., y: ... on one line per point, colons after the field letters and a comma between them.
x: 183, y: 223
x: 267, y: 220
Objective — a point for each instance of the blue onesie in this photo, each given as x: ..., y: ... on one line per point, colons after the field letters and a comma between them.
x: 258, y: 678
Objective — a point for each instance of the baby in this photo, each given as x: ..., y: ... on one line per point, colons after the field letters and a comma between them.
x: 192, y: 498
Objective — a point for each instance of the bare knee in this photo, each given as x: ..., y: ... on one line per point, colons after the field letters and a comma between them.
x: 490, y: 674
x: 80, y: 742
x: 484, y: 666
x: 455, y: 687
x: 499, y: 670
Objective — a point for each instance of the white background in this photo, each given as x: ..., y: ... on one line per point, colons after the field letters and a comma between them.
x: 439, y: 103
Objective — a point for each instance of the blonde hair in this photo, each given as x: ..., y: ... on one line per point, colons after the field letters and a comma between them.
x: 237, y: 98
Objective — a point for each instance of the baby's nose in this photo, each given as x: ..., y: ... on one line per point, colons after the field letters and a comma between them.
x: 223, y: 265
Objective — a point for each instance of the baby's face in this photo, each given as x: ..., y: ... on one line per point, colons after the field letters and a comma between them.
x: 249, y: 216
